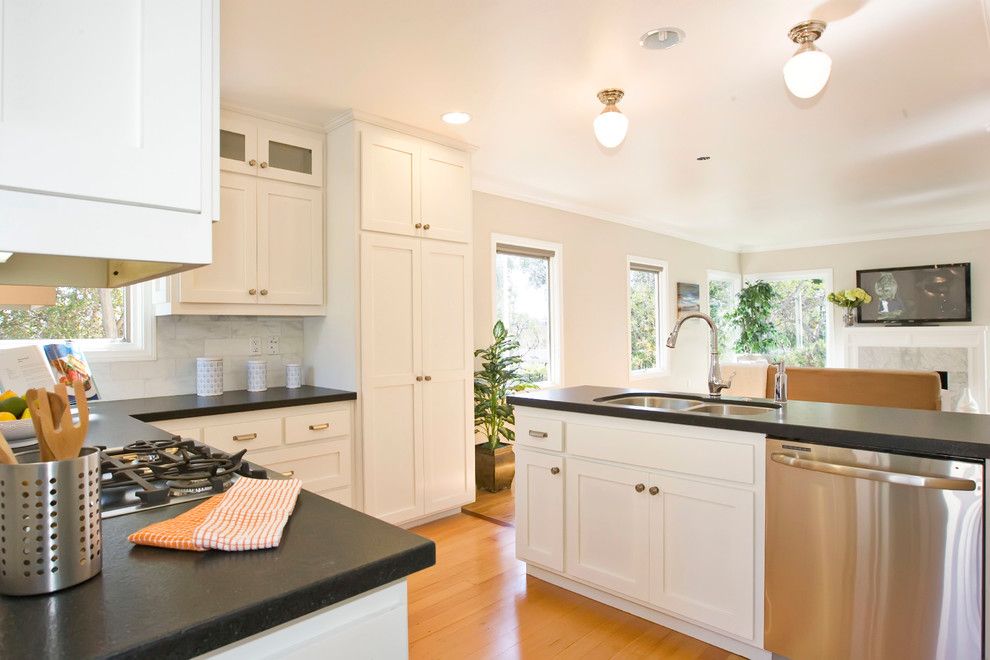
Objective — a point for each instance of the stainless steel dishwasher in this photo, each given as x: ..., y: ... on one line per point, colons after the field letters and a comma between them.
x: 872, y: 555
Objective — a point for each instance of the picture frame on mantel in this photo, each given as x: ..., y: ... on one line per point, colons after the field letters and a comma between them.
x: 688, y: 298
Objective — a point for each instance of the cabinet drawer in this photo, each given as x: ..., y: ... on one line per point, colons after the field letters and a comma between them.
x: 320, y: 467
x: 539, y: 432
x: 317, y: 426
x: 252, y: 435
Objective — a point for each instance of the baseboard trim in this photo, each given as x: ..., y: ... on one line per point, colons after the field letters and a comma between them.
x: 709, y: 637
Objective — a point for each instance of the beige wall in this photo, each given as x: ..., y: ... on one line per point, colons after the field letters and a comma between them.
x: 845, y: 260
x: 594, y: 338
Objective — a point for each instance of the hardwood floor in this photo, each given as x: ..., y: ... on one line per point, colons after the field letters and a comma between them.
x: 478, y: 602
x: 499, y: 508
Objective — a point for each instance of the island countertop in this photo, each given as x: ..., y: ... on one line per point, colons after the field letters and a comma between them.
x: 898, y: 430
x: 152, y: 602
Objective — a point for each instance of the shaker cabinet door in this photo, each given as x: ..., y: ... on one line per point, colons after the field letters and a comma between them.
x: 390, y: 193
x: 446, y: 193
x: 539, y: 486
x: 289, y: 154
x: 290, y: 244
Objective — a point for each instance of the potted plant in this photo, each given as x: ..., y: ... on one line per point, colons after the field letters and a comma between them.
x: 494, y: 462
x: 850, y: 299
x: 752, y: 316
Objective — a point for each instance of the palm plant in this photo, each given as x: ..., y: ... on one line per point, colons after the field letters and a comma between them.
x: 499, y: 376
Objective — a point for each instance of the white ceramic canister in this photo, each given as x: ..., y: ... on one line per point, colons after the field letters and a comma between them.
x: 293, y: 375
x: 209, y: 376
x: 257, y: 375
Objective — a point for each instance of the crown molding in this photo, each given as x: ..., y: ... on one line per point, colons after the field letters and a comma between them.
x: 868, y: 238
x: 491, y: 187
x: 270, y: 116
x: 348, y: 116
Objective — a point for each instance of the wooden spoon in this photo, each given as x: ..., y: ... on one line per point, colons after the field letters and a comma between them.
x: 40, y: 408
x: 65, y: 439
x: 6, y: 454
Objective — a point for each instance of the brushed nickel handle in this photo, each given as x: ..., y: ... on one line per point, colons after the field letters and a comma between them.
x: 419, y: 225
x: 244, y: 437
x: 419, y: 378
x: 874, y: 474
x: 654, y: 490
x: 319, y: 427
x: 252, y: 162
x: 428, y: 378
x: 538, y: 434
x: 640, y: 488
x: 555, y: 470
x: 264, y: 292
x: 264, y: 164
x: 290, y: 473
x: 426, y: 226
x: 251, y: 292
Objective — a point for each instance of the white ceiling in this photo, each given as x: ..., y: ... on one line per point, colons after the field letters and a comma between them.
x: 898, y: 143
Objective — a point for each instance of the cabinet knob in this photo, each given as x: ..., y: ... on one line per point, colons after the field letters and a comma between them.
x: 252, y: 162
x: 426, y: 226
x: 654, y: 490
x: 555, y: 470
x: 264, y: 292
x: 419, y: 225
x: 251, y: 292
x: 640, y: 488
x: 264, y: 164
x: 429, y: 378
x: 419, y: 378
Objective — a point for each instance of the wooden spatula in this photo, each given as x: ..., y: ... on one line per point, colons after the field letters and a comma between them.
x: 6, y: 454
x: 38, y: 404
x: 59, y: 438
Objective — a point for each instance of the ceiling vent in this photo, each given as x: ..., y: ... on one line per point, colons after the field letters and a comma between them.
x: 662, y: 38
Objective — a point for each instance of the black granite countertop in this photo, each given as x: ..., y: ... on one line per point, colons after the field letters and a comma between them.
x: 898, y: 430
x: 157, y: 603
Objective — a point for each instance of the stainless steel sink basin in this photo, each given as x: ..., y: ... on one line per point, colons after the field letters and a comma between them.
x: 690, y: 404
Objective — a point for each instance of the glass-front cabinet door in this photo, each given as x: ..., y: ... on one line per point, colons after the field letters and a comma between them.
x: 238, y: 143
x: 288, y: 154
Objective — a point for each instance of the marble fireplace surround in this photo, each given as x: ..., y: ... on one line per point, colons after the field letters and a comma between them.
x: 959, y: 350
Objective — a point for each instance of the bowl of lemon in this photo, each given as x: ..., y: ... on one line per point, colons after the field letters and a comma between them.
x: 15, y: 418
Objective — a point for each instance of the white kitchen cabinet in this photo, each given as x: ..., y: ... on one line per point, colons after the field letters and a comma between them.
x: 269, y: 149
x: 414, y: 187
x: 540, y: 508
x: 608, y: 526
x: 290, y: 244
x: 416, y: 376
x: 108, y: 118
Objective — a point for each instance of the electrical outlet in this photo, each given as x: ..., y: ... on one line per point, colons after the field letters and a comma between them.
x: 255, y: 345
x: 272, y: 345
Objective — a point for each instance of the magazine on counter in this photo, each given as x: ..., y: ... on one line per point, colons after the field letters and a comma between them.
x: 26, y: 367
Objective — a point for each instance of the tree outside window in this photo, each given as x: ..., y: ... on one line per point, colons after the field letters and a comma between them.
x: 78, y: 313
x: 523, y: 304
x: 644, y: 317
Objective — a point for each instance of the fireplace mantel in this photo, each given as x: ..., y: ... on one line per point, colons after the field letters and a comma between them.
x: 961, y: 350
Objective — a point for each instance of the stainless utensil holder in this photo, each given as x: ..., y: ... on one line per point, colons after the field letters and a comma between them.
x: 50, y: 534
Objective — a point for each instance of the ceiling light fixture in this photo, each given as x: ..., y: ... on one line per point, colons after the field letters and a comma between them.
x: 456, y: 117
x: 662, y: 38
x: 611, y: 125
x: 808, y: 69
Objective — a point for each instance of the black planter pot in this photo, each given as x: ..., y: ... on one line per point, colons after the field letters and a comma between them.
x: 494, y: 470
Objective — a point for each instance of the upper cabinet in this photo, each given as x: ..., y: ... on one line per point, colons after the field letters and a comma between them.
x: 414, y: 187
x: 108, y: 124
x: 270, y: 150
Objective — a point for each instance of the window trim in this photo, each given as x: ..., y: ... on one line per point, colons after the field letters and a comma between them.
x: 141, y: 345
x: 556, y: 295
x: 663, y: 318
x: 824, y: 274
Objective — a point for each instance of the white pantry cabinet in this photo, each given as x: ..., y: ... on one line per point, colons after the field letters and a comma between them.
x: 416, y: 376
x: 108, y: 124
x: 414, y: 187
x: 668, y: 517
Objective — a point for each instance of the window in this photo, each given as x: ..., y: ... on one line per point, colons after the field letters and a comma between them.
x: 527, y: 300
x: 801, y: 316
x: 723, y: 294
x: 105, y: 323
x: 647, y: 285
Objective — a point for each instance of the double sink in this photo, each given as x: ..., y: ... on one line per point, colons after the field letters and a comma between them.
x: 690, y: 404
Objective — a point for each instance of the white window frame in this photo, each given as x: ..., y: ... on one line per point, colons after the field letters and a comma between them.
x: 141, y: 333
x: 663, y: 318
x: 825, y: 275
x: 556, y: 297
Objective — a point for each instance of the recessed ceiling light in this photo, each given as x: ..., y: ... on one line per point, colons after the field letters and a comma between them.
x: 662, y: 38
x: 456, y: 117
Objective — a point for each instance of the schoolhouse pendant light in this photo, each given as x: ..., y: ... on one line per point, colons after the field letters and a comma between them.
x: 611, y: 125
x: 808, y: 69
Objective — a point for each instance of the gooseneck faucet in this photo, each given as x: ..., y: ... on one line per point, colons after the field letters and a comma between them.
x: 715, y: 382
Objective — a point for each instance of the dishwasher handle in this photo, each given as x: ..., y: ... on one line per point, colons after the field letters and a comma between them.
x: 874, y: 474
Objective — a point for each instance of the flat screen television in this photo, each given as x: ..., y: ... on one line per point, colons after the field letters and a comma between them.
x: 938, y: 293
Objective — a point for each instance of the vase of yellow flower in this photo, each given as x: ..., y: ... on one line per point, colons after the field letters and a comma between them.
x: 849, y: 299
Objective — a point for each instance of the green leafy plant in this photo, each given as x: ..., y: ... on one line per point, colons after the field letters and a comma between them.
x: 753, y: 317
x: 500, y: 375
x: 850, y: 298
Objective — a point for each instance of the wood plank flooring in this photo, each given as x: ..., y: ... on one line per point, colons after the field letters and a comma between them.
x: 478, y: 602
x: 499, y: 508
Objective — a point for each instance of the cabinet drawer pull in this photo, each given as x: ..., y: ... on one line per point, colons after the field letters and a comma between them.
x: 538, y: 434
x: 319, y: 427
x: 555, y: 470
x: 290, y: 473
x: 654, y: 490
x: 640, y: 488
x: 245, y: 437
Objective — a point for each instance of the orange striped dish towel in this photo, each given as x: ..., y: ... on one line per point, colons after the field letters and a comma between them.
x: 249, y: 516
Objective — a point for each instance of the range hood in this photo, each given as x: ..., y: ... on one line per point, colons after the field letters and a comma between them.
x: 57, y: 270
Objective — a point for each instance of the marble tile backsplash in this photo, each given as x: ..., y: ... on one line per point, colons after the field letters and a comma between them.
x: 181, y: 339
